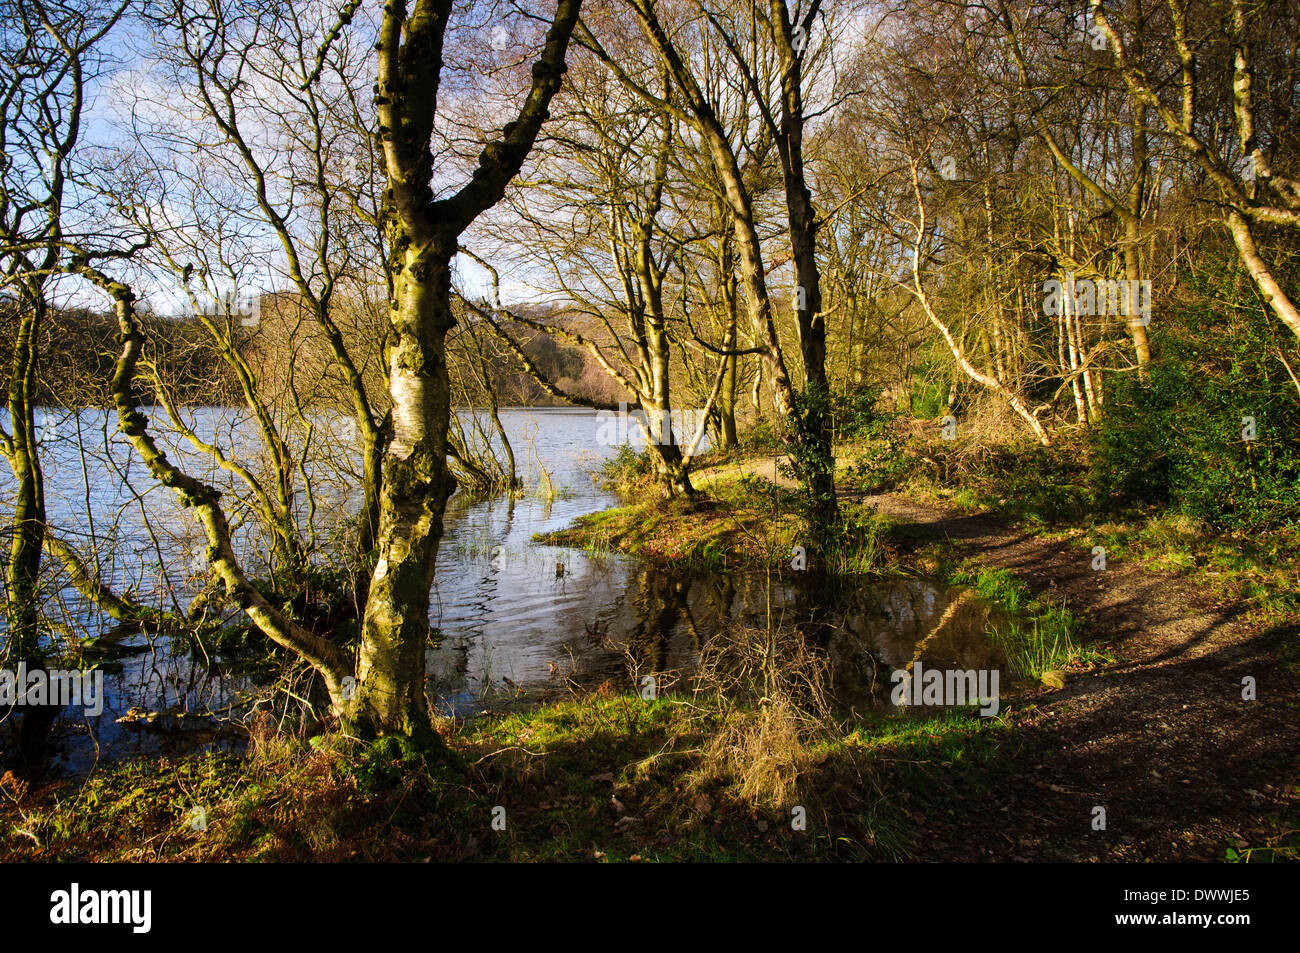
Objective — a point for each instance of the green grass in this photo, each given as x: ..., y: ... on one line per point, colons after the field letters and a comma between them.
x: 1048, y: 491
x: 1040, y: 637
x: 1044, y: 644
x: 736, y: 527
x: 1259, y: 570
x: 558, y: 769
x: 861, y: 546
x: 654, y: 758
x: 743, y: 522
x: 1288, y: 852
x: 1282, y: 845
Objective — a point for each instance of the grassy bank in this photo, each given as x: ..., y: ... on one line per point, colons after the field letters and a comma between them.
x: 599, y: 778
x: 742, y: 521
x: 728, y: 531
x: 748, y: 761
x: 750, y: 517
x: 1052, y: 492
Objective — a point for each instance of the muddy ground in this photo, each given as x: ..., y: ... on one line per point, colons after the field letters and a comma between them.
x: 1162, y: 739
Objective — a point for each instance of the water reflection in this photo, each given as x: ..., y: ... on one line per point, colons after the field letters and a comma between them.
x: 653, y: 622
x: 514, y: 620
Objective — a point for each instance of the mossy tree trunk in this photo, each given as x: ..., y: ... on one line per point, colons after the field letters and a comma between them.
x: 27, y: 526
x: 815, y: 426
x: 423, y: 236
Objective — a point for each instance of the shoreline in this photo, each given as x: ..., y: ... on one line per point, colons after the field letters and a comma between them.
x: 609, y: 775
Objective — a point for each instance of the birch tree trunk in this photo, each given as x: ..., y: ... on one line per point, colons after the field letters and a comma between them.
x: 423, y: 237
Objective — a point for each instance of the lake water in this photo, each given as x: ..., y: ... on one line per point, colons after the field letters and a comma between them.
x: 515, y: 620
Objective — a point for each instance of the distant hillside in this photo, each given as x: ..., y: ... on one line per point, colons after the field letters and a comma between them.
x: 78, y: 348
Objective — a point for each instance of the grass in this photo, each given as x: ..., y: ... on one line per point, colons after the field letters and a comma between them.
x: 605, y: 777
x: 736, y: 527
x: 749, y: 523
x: 1260, y: 571
x: 1287, y: 852
x: 743, y: 522
x: 1040, y: 486
x: 612, y: 777
x: 1047, y: 491
x: 1282, y: 845
x: 863, y: 542
x: 1040, y: 638
x: 1041, y: 649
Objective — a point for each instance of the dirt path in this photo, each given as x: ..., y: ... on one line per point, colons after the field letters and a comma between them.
x: 1162, y: 739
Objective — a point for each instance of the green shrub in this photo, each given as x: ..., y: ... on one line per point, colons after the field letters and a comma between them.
x: 928, y: 396
x: 857, y: 415
x: 760, y: 438
x: 810, y: 461
x: 625, y: 468
x: 1176, y: 438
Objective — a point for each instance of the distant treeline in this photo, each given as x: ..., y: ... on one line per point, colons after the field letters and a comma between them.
x: 77, y: 349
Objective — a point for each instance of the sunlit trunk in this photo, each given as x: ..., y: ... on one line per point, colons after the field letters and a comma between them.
x: 815, y: 430
x: 413, y: 494
x: 423, y: 237
x: 27, y: 527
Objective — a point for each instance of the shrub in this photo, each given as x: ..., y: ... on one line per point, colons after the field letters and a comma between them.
x: 1176, y: 439
x: 760, y: 438
x: 625, y: 469
x: 857, y: 415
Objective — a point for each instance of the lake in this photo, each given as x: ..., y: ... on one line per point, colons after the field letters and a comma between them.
x: 514, y: 620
